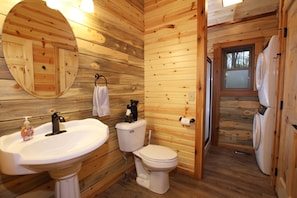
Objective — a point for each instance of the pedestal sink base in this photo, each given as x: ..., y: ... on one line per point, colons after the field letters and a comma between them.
x: 67, y: 184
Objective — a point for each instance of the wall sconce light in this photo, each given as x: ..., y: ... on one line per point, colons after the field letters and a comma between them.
x: 85, y: 5
x: 231, y: 2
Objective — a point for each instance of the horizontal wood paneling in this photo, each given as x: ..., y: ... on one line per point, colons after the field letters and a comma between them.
x: 110, y: 42
x: 236, y: 121
x: 263, y: 27
x: 218, y: 14
x: 170, y: 75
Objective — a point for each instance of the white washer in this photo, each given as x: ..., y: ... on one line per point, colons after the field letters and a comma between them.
x: 266, y: 73
x: 263, y: 136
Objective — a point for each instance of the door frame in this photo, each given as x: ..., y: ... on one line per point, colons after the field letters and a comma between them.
x: 279, y: 89
x: 217, y: 71
x: 200, y: 86
x: 281, y: 187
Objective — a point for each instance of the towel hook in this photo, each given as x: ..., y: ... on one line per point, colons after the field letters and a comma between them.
x: 97, y: 76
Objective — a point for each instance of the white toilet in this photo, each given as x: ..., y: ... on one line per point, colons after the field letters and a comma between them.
x: 153, y: 162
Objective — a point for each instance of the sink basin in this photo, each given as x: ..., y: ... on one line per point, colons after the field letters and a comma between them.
x: 60, y: 154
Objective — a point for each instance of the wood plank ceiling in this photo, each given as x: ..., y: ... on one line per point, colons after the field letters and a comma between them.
x: 217, y: 14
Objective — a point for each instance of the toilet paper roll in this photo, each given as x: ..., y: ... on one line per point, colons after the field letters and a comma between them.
x: 186, y: 121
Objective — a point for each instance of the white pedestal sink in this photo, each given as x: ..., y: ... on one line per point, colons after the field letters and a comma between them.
x: 61, y: 155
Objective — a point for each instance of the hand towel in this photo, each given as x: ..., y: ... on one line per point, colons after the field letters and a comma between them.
x: 101, y: 101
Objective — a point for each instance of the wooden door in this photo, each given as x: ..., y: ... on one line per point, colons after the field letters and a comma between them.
x: 287, y: 164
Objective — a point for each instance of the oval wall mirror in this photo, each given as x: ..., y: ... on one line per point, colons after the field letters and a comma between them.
x: 40, y: 49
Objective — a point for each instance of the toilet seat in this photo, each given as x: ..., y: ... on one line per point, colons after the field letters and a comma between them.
x: 157, y: 153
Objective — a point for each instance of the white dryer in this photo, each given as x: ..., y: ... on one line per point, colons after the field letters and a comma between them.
x: 260, y: 71
x: 266, y: 73
x: 263, y: 137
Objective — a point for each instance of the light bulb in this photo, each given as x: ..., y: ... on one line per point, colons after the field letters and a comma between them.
x: 87, y: 5
x: 53, y: 4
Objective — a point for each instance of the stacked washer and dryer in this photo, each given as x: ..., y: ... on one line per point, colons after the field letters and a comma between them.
x: 264, y: 119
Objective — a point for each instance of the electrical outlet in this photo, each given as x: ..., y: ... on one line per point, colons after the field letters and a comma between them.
x: 191, y: 96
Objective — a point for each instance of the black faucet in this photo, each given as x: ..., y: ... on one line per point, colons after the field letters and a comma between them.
x: 55, y: 122
x: 56, y: 119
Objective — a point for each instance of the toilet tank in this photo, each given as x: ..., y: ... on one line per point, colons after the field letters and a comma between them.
x: 131, y: 135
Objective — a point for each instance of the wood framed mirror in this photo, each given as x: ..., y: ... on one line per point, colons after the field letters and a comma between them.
x: 40, y: 49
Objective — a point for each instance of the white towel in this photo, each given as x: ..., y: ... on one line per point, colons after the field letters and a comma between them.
x: 101, y: 101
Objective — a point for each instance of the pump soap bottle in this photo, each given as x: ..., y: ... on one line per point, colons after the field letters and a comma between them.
x: 27, y: 130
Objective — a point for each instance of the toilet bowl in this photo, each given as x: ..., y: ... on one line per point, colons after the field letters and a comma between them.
x: 153, y: 162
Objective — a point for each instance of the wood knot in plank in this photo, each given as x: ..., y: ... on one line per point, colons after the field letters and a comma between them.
x: 16, y: 86
x: 95, y: 65
x: 193, y: 7
x: 171, y: 26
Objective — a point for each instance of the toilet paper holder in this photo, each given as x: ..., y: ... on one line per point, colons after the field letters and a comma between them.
x: 192, y: 120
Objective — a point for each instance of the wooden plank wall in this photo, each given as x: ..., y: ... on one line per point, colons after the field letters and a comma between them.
x: 110, y: 42
x: 261, y: 27
x: 218, y: 14
x: 170, y: 42
x: 236, y: 121
x: 237, y: 132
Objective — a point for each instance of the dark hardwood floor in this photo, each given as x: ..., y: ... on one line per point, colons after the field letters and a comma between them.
x: 226, y: 174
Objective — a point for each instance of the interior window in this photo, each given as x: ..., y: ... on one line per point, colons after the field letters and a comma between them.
x: 237, y: 67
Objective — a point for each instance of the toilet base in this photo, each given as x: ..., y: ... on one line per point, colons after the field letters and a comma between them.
x: 159, y: 182
x: 156, y: 181
x: 143, y: 181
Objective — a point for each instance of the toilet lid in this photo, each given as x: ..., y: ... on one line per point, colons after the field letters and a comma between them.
x: 158, y: 153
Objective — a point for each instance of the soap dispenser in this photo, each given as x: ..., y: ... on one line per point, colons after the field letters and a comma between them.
x: 27, y: 130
